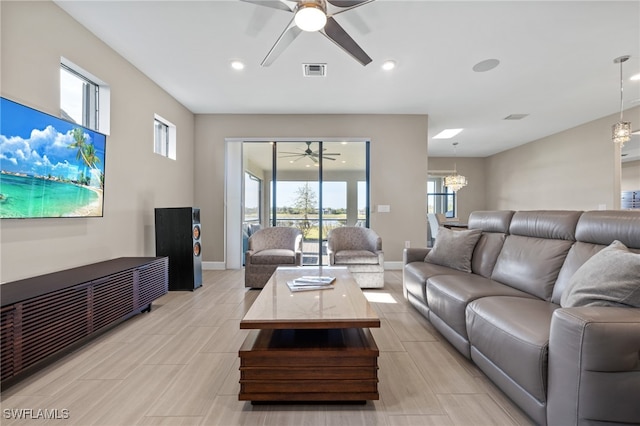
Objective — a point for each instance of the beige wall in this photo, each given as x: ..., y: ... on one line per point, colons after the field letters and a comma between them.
x: 398, y: 169
x: 631, y: 176
x: 578, y: 168
x: 471, y: 197
x: 34, y: 37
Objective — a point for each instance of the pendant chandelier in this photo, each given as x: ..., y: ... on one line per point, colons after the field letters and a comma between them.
x: 621, y: 131
x: 455, y: 182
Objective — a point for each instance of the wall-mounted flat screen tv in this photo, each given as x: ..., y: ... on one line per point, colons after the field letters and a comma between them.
x: 49, y: 167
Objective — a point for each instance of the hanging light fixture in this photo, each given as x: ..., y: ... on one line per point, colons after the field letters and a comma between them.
x: 455, y: 181
x: 621, y: 131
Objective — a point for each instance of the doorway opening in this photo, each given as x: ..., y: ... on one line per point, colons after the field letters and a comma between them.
x: 314, y: 185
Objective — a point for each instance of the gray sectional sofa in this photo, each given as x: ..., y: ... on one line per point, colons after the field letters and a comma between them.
x: 501, y: 304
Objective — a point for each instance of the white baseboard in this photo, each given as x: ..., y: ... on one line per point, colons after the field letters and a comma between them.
x: 393, y: 266
x: 219, y: 266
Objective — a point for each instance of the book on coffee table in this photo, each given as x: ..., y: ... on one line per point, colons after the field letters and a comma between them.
x: 311, y: 283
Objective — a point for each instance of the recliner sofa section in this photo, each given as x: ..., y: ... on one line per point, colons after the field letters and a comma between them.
x: 562, y: 366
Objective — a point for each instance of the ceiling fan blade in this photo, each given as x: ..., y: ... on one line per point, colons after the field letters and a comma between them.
x: 274, y: 4
x: 330, y: 153
x: 347, y: 5
x: 286, y: 38
x: 328, y: 158
x: 334, y: 32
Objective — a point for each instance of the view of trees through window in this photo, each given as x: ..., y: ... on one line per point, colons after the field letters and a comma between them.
x: 298, y: 206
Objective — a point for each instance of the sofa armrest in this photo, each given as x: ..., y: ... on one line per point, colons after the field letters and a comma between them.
x: 594, y: 366
x: 414, y: 254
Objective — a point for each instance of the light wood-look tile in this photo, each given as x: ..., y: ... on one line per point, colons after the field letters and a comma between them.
x: 443, y: 372
x: 178, y: 365
x: 195, y: 386
x: 474, y: 409
x: 402, y: 389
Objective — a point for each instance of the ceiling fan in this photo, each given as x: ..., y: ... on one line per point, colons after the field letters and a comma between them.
x: 309, y: 153
x: 314, y: 15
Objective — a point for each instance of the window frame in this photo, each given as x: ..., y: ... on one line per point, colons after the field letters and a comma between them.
x: 96, y: 98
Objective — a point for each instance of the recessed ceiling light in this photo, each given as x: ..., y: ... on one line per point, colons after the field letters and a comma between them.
x: 447, y: 133
x: 486, y: 65
x: 388, y: 65
x: 635, y: 77
x: 237, y: 65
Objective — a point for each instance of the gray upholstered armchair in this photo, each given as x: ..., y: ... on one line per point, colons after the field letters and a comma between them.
x: 360, y: 250
x: 269, y: 248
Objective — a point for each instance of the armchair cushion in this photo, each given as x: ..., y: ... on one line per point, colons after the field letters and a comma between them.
x: 357, y: 257
x: 274, y: 256
x: 610, y: 277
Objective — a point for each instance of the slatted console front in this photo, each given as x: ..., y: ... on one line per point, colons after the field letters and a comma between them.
x: 41, y: 316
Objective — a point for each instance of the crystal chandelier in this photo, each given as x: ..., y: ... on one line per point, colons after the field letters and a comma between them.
x: 621, y: 131
x: 455, y: 182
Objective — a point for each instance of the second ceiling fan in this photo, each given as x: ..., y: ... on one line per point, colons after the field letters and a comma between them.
x: 312, y: 15
x: 309, y: 153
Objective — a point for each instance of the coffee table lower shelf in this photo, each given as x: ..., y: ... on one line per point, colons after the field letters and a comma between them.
x: 309, y: 365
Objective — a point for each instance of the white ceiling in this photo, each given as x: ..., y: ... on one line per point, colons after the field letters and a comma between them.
x: 556, y: 62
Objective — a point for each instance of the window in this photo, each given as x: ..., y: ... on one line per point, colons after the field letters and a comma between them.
x: 440, y: 199
x: 84, y: 99
x: 164, y: 137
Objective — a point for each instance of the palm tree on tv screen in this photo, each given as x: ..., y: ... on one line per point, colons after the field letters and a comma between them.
x: 86, y: 151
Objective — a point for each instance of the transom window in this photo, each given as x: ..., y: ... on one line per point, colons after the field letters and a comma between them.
x: 84, y: 99
x: 164, y: 137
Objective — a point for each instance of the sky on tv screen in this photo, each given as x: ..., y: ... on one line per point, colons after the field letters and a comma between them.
x: 38, y: 144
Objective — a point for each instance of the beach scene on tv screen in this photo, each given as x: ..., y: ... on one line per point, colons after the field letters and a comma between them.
x: 49, y: 167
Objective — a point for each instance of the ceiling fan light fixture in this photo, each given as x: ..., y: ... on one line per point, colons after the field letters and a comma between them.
x: 310, y: 17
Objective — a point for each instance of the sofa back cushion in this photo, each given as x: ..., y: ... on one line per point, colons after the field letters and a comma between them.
x: 494, y: 226
x: 605, y: 226
x: 580, y: 252
x: 535, y: 250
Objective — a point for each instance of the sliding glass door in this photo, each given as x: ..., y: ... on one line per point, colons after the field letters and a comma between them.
x: 314, y: 186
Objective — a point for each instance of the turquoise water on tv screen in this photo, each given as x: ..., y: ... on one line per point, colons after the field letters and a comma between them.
x: 26, y: 196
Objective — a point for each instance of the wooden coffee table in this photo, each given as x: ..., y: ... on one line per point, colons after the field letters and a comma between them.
x: 309, y: 345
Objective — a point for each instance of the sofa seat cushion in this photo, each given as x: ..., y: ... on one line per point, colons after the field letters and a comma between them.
x: 449, y: 295
x: 356, y: 257
x: 513, y: 332
x: 274, y: 257
x: 415, y: 275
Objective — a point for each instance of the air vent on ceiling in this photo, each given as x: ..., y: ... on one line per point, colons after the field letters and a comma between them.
x: 515, y: 116
x: 314, y: 70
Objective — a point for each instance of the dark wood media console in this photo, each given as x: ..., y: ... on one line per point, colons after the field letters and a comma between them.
x: 41, y: 316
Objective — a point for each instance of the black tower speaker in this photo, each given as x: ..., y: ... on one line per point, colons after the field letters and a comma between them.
x: 178, y: 237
